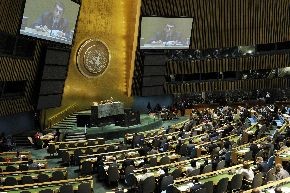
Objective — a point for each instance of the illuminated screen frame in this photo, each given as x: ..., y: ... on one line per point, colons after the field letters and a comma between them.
x: 141, y: 41
x: 46, y: 38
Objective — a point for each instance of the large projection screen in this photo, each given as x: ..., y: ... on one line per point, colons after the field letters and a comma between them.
x: 53, y: 20
x: 165, y: 33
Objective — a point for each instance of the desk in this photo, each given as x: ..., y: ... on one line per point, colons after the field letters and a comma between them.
x: 42, y: 164
x: 283, y: 155
x: 55, y: 185
x: 10, y: 155
x: 242, y: 151
x: 33, y: 173
x: 45, y: 35
x: 216, y: 179
x: 164, y: 46
x: 268, y: 188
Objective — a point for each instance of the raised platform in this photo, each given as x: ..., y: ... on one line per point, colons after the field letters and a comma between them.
x: 112, y: 131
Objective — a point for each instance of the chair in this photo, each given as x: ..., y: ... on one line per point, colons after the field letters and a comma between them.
x: 43, y: 178
x: 176, y: 173
x: 86, y: 168
x: 172, y: 189
x: 81, y: 144
x: 66, y: 189
x: 89, y: 151
x: 222, y: 185
x: 194, y: 172
x: 164, y: 160
x: 10, y: 181
x: 101, y: 173
x: 131, y: 180
x: 11, y: 169
x: 257, y: 181
x: 208, y: 186
x: 183, y: 150
x: 148, y: 185
x: 91, y: 143
x: 153, y: 161
x: 236, y: 182
x: 61, y: 146
x: 113, y: 174
x: 270, y: 176
x: 27, y: 180
x: 182, y: 158
x: 84, y: 188
x: 23, y: 167
x: 111, y: 148
x: 77, y: 154
x: 15, y: 159
x: 71, y: 145
x: 129, y: 169
x: 248, y: 156
x: 201, y: 190
x: 122, y: 147
x: 46, y: 191
x: 57, y: 175
x: 165, y: 182
x: 121, y: 156
x: 101, y: 141
x: 221, y: 165
x: 51, y: 149
x: 207, y: 168
x: 101, y: 150
x: 65, y: 156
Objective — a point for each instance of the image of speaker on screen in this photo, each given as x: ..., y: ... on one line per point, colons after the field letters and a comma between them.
x: 165, y: 33
x: 168, y: 36
x: 53, y: 21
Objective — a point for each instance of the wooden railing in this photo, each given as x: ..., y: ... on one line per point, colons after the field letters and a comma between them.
x: 61, y: 115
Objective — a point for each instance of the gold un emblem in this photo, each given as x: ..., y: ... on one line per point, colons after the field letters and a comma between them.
x: 93, y: 58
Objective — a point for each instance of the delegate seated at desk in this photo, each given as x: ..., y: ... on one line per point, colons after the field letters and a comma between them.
x: 53, y: 20
x: 168, y: 36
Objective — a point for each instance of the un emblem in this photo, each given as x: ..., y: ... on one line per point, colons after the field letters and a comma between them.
x: 93, y: 58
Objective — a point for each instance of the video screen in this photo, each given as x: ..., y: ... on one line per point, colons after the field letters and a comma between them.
x: 53, y: 20
x: 165, y: 33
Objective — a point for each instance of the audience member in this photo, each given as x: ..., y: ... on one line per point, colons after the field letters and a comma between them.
x: 145, y: 175
x: 57, y: 135
x: 262, y: 166
x: 247, y: 173
x: 278, y: 190
x: 280, y: 173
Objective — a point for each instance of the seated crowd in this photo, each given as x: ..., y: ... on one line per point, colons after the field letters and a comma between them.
x: 213, y: 150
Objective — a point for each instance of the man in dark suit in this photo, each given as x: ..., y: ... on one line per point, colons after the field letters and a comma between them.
x: 127, y: 162
x: 255, y: 149
x: 114, y: 162
x: 262, y: 166
x: 53, y: 20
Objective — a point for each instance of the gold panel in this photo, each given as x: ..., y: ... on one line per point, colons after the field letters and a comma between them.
x: 112, y: 22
